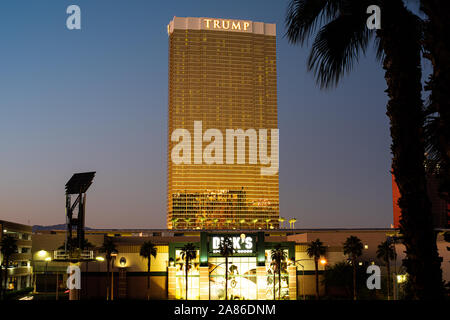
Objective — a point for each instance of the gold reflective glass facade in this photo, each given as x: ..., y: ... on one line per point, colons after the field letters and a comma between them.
x: 227, y: 80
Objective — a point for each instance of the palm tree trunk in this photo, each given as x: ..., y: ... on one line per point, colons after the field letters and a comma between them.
x: 401, y: 46
x: 148, y: 278
x: 279, y: 281
x: 1, y: 280
x: 186, y: 278
x: 6, y: 277
x: 86, y: 280
x: 108, y: 262
x: 316, y: 265
x: 388, y: 280
x: 354, y: 278
x: 274, y: 295
x: 226, y: 277
x: 112, y: 281
x: 3, y: 284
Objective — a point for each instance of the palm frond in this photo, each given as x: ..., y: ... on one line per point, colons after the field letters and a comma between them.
x: 337, y: 46
x: 379, y: 50
x: 303, y: 17
x: 431, y: 135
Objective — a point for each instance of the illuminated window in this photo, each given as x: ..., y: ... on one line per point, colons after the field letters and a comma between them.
x: 242, y: 283
x: 193, y: 277
x: 273, y: 281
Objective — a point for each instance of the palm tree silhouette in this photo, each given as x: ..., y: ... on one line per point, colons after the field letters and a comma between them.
x: 281, y: 220
x: 437, y: 129
x: 315, y: 250
x: 8, y: 247
x: 174, y: 223
x: 292, y: 223
x: 202, y: 221
x: 386, y: 252
x: 147, y: 251
x: 226, y: 250
x: 109, y: 248
x: 342, y: 37
x: 188, y: 253
x: 437, y: 50
x: 353, y: 248
x: 278, y: 256
x: 267, y: 223
x: 188, y: 221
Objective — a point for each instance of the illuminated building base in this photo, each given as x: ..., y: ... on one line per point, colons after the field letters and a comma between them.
x: 250, y: 270
x: 239, y: 288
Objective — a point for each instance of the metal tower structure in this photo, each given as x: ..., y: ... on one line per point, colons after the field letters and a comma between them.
x: 77, y: 185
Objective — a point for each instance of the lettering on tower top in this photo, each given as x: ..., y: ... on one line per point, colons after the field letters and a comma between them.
x: 223, y: 24
x: 219, y: 24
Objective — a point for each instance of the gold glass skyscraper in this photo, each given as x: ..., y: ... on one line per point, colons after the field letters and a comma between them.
x: 222, y: 77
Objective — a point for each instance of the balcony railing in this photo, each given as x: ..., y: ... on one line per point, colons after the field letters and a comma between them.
x: 73, y: 255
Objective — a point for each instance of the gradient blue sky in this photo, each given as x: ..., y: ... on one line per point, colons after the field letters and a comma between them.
x: 96, y: 100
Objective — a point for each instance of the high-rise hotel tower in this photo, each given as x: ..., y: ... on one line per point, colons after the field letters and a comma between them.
x: 222, y: 93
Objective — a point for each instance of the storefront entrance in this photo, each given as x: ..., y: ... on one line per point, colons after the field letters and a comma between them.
x: 242, y: 284
x: 251, y: 272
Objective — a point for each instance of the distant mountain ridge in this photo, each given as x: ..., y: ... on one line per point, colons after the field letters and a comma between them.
x: 61, y: 226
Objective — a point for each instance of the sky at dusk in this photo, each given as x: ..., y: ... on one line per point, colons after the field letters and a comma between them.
x: 96, y: 100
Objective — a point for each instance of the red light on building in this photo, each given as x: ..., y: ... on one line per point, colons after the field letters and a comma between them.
x: 395, y: 197
x: 440, y: 209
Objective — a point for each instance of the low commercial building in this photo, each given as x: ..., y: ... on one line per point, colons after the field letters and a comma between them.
x: 19, y: 270
x: 250, y: 269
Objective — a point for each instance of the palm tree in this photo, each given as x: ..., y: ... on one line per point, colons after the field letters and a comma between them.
x: 109, y: 248
x: 188, y: 253
x: 226, y: 250
x: 353, y: 248
x: 174, y: 223
x: 281, y: 220
x: 267, y: 223
x: 1, y: 268
x: 8, y: 248
x: 273, y: 264
x: 342, y: 37
x: 87, y: 246
x: 386, y: 252
x: 147, y: 251
x: 437, y: 50
x: 315, y: 250
x: 202, y: 221
x: 437, y: 130
x: 292, y: 223
x: 278, y: 256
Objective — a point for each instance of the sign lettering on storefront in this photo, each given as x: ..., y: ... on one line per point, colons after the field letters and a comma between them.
x: 240, y: 244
